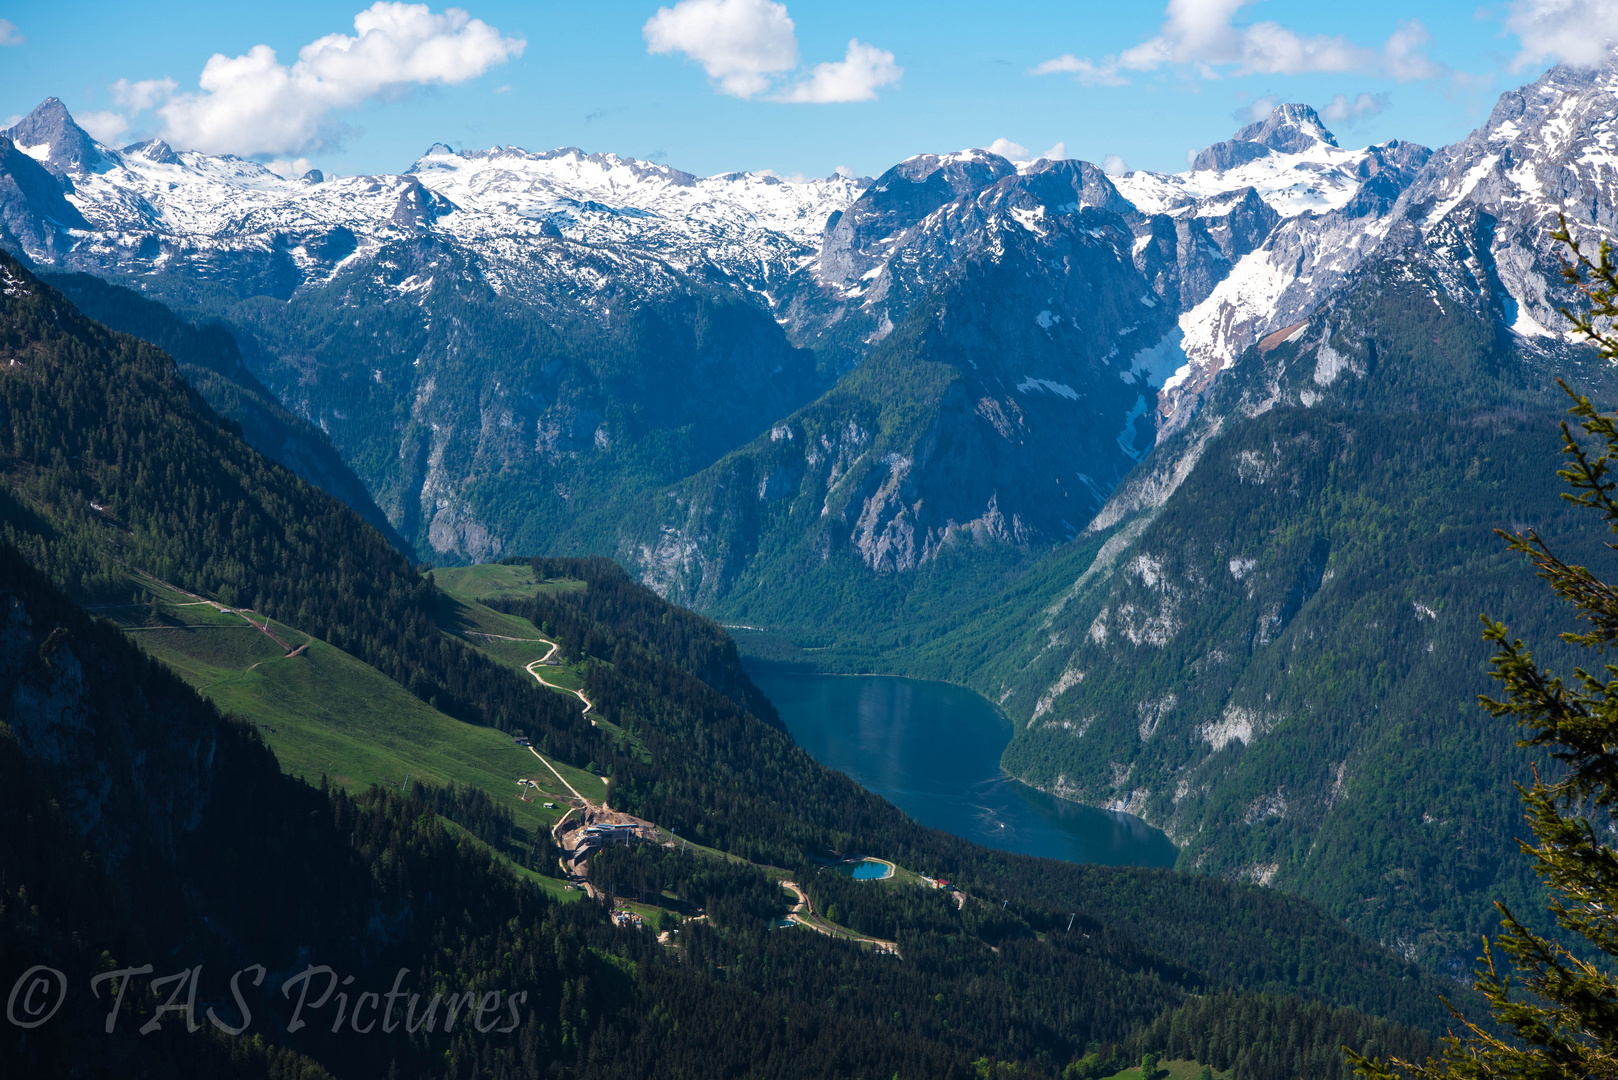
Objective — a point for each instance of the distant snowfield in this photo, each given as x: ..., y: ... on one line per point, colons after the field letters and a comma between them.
x: 741, y: 223
x: 1318, y: 180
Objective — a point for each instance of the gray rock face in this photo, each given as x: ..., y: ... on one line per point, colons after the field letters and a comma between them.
x: 1223, y: 156
x: 34, y: 215
x: 901, y: 197
x: 153, y: 150
x: 1290, y: 129
x: 71, y: 151
x: 418, y: 208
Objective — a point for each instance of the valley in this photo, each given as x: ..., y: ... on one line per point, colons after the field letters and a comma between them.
x: 996, y: 618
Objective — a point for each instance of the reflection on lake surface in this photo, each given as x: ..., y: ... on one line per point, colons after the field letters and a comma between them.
x: 933, y: 750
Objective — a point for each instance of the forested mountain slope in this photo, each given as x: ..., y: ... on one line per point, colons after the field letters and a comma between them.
x: 91, y: 418
x: 211, y: 363
x: 1280, y: 664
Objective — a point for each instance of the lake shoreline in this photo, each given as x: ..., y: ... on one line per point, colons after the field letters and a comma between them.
x: 768, y: 668
x: 933, y: 748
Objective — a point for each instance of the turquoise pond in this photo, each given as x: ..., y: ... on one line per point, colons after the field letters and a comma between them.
x: 865, y: 870
x: 934, y: 750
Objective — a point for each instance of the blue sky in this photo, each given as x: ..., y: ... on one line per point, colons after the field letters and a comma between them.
x: 752, y: 84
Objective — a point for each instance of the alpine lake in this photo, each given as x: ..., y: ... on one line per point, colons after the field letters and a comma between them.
x: 933, y: 750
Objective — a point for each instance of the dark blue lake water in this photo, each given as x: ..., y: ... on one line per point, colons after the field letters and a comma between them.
x: 933, y: 750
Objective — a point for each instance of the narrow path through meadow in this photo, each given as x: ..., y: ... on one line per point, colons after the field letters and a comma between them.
x: 542, y: 661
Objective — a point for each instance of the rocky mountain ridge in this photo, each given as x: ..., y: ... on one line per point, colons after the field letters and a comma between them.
x: 1478, y: 214
x: 148, y: 208
x: 1080, y: 318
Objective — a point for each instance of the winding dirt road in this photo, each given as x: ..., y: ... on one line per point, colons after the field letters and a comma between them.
x: 223, y: 609
x: 541, y: 662
x: 588, y: 705
x: 800, y: 915
x: 560, y: 777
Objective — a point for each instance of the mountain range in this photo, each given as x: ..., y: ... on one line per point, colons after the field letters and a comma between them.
x: 1194, y: 475
x: 473, y: 284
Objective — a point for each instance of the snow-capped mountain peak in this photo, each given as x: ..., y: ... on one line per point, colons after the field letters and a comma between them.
x: 1289, y: 129
x: 50, y: 136
x: 1289, y: 158
x: 571, y: 188
x: 149, y: 206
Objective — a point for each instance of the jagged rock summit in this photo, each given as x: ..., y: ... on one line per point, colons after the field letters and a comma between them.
x: 52, y: 137
x: 1289, y: 129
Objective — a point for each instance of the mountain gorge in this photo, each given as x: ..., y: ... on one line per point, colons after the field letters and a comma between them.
x: 1267, y: 640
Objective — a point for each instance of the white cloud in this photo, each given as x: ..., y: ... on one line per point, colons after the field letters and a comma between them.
x: 1200, y: 35
x: 1260, y: 109
x: 291, y: 170
x: 11, y: 121
x: 506, y: 89
x: 1017, y: 152
x: 1085, y: 71
x: 136, y: 96
x: 1578, y: 32
x: 745, y: 46
x: 1402, y: 55
x: 254, y: 105
x: 8, y: 33
x: 1340, y: 110
x: 740, y: 43
x: 855, y: 77
x: 1008, y: 149
x: 104, y: 127
x: 1113, y: 165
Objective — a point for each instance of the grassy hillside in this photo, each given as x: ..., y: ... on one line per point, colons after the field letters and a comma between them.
x: 330, y: 717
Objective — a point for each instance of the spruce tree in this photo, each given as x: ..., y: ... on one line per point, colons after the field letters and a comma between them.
x: 1557, y: 1013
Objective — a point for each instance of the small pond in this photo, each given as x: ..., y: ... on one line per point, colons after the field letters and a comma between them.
x: 865, y: 869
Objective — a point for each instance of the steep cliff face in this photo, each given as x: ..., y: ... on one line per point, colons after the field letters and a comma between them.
x: 1007, y: 401
x: 1014, y: 332
x: 1273, y: 651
